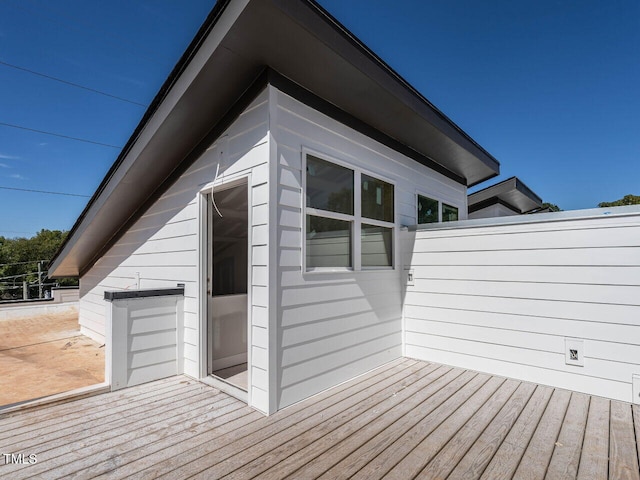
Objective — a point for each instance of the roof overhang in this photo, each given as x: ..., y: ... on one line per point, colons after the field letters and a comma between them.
x: 511, y: 193
x: 239, y: 39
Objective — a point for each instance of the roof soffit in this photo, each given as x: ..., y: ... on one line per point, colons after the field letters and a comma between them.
x: 247, y: 36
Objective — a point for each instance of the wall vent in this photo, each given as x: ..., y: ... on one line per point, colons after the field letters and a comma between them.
x: 574, y: 352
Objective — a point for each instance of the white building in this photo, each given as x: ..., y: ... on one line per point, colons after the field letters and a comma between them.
x: 251, y: 232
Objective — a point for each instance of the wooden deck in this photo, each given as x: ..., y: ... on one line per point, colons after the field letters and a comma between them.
x: 407, y: 419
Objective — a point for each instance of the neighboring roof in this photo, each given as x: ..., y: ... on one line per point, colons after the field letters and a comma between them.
x: 511, y: 193
x: 221, y: 69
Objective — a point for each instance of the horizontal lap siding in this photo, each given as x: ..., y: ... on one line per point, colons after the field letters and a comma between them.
x: 163, y: 245
x: 503, y: 299
x: 334, y: 326
x: 151, y: 339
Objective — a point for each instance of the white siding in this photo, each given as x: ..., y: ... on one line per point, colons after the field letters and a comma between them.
x: 163, y: 246
x: 146, y: 340
x: 503, y: 298
x: 334, y: 326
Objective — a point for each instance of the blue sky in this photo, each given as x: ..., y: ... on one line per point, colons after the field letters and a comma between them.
x: 550, y: 88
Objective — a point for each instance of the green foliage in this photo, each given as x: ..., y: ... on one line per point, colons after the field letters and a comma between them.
x: 552, y: 207
x: 19, y: 259
x: 626, y: 200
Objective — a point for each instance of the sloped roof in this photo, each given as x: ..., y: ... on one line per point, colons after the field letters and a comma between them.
x: 512, y: 193
x: 224, y: 65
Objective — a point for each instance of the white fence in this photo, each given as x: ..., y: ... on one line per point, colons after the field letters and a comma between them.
x: 549, y: 298
x: 144, y: 336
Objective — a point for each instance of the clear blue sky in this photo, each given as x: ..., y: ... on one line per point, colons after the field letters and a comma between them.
x: 550, y: 88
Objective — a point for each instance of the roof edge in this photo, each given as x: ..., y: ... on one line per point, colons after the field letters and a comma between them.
x: 346, y: 33
x: 174, y: 75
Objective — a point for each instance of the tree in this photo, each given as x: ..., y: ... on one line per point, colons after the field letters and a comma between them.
x: 19, y: 258
x: 552, y: 207
x: 626, y: 200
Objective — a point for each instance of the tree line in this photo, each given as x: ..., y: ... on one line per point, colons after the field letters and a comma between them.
x: 19, y: 258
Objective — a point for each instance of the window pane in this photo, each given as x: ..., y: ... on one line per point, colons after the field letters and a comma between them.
x: 329, y: 186
x: 377, y: 246
x: 449, y: 213
x: 427, y: 210
x: 377, y: 199
x: 328, y: 242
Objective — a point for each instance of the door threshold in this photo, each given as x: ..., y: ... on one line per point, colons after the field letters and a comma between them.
x: 226, y: 387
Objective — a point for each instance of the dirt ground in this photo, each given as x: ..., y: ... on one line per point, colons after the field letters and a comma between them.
x: 44, y: 355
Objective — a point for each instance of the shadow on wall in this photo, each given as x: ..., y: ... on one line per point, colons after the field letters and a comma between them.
x: 161, y: 248
x: 334, y: 327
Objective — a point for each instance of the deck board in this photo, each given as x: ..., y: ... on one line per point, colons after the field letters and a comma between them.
x: 623, y: 453
x: 636, y: 424
x: 289, y: 456
x: 566, y: 454
x: 506, y: 460
x: 537, y: 456
x: 405, y: 444
x: 411, y: 465
x: 594, y: 464
x: 407, y: 419
x: 314, y: 427
x: 453, y: 452
x: 315, y: 459
x: 476, y: 460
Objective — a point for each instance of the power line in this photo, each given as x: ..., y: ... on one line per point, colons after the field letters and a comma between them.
x: 33, y: 72
x: 83, y: 26
x: 44, y: 191
x: 16, y: 231
x: 59, y: 135
x: 22, y: 263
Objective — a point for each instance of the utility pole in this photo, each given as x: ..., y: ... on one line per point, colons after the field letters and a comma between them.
x: 39, y: 279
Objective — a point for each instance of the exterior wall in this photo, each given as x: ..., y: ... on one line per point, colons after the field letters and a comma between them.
x: 163, y: 248
x: 146, y: 343
x: 503, y: 298
x: 330, y: 327
x: 492, y: 211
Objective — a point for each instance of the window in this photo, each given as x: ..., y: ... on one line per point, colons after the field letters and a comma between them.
x: 377, y: 199
x: 433, y: 211
x: 427, y: 210
x: 449, y: 213
x: 349, y: 217
x: 329, y: 186
x: 328, y: 242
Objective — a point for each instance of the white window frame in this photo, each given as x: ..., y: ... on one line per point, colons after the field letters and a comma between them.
x: 356, y: 219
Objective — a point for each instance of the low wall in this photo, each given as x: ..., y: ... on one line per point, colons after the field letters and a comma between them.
x: 144, y: 336
x: 549, y: 298
x: 65, y: 294
x: 33, y: 308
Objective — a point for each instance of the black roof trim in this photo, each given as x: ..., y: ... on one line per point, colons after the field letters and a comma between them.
x: 234, y: 112
x: 156, y: 292
x: 342, y: 30
x: 185, y: 60
x: 519, y: 185
x: 489, y: 202
x: 182, y: 64
x: 308, y: 98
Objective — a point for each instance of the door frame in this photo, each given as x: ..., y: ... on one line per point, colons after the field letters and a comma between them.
x: 204, y: 233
